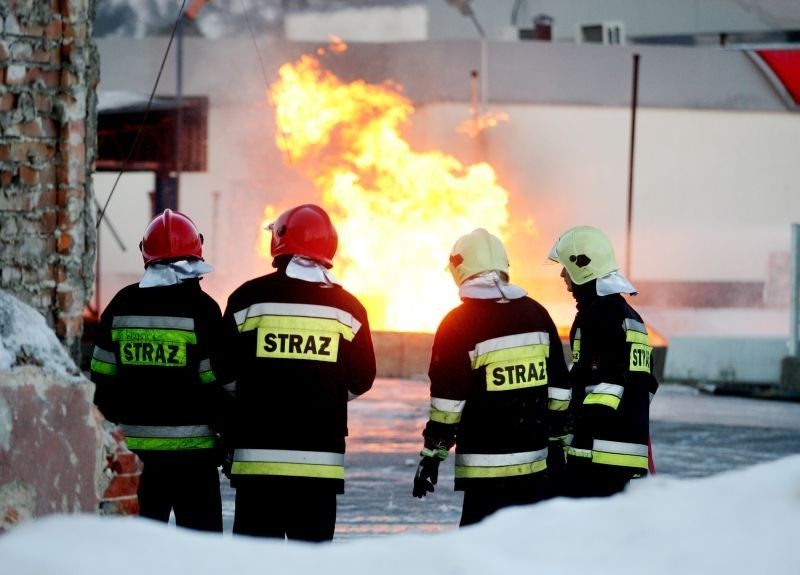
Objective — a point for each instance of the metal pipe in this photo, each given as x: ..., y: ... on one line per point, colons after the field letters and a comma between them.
x: 634, y: 106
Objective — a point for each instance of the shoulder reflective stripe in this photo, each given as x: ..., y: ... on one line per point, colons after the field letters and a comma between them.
x: 166, y: 430
x: 205, y: 372
x: 446, y: 410
x: 153, y: 322
x: 287, y: 469
x: 499, y: 459
x: 293, y: 324
x: 498, y: 345
x: 230, y: 387
x: 619, y: 453
x: 289, y: 456
x: 608, y: 394
x: 298, y: 310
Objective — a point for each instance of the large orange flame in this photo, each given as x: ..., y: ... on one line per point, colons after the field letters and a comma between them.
x: 397, y: 211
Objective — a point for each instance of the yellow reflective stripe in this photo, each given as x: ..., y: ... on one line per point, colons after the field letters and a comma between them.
x: 576, y: 452
x: 509, y: 348
x: 637, y: 337
x: 639, y: 461
x: 446, y: 410
x: 298, y: 324
x: 444, y: 416
x: 288, y: 469
x: 98, y: 366
x: 140, y: 335
x: 296, y: 310
x: 464, y: 472
x: 558, y: 398
x: 611, y: 401
x: 205, y: 372
x: 619, y: 453
x: 576, y: 346
x: 103, y: 361
x: 171, y: 443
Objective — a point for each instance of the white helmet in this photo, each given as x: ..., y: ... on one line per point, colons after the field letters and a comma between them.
x: 586, y: 254
x: 476, y: 253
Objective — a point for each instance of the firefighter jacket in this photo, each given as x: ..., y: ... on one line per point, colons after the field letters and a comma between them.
x: 154, y: 368
x: 299, y: 351
x: 612, y: 385
x: 499, y: 392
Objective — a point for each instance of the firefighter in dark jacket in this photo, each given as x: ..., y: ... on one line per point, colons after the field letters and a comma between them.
x: 611, y: 375
x: 301, y: 348
x: 499, y: 389
x: 154, y: 369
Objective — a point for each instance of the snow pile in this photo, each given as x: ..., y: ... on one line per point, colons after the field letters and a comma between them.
x: 26, y: 339
x: 746, y: 521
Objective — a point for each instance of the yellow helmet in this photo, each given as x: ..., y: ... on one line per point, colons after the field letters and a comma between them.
x: 586, y: 253
x: 475, y: 253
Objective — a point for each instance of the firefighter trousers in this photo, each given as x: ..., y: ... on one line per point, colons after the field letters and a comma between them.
x: 189, y: 490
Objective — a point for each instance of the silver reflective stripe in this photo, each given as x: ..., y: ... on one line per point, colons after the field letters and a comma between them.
x: 286, y: 456
x: 634, y: 325
x: 351, y: 396
x: 578, y: 333
x: 230, y: 387
x: 608, y: 389
x: 166, y: 430
x: 205, y: 365
x: 510, y: 341
x: 589, y: 389
x: 153, y: 322
x: 104, y: 355
x: 448, y: 405
x: 652, y: 395
x: 499, y: 459
x: 298, y: 310
x: 619, y: 447
x: 559, y: 393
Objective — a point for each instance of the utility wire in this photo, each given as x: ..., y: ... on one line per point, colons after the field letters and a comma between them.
x: 144, y: 117
x: 281, y: 132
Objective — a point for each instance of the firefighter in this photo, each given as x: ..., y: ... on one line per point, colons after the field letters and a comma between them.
x: 301, y: 348
x: 498, y: 384
x: 611, y: 375
x: 154, y: 368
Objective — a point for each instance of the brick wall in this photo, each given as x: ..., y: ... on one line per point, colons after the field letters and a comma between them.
x: 49, y: 68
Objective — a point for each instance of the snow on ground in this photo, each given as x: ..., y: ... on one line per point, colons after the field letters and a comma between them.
x: 745, y: 521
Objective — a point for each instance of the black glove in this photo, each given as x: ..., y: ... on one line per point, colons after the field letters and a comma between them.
x: 426, y: 477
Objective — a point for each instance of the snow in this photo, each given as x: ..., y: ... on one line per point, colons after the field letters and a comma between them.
x: 744, y: 521
x: 26, y: 339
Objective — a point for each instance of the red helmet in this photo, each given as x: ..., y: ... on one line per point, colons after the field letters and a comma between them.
x: 305, y: 231
x: 171, y: 235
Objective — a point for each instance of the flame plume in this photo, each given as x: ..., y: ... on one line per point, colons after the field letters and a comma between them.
x: 397, y: 211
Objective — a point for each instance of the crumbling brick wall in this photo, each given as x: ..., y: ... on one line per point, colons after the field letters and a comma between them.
x: 49, y: 68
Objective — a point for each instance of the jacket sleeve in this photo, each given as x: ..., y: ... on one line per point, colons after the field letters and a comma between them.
x: 363, y: 367
x: 104, y: 368
x: 559, y: 391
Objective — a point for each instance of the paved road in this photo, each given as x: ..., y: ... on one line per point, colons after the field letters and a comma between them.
x: 693, y: 435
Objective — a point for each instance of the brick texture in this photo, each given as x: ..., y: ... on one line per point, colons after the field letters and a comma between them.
x: 48, y: 111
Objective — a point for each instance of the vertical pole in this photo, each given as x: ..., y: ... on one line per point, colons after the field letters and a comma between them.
x: 178, y: 112
x: 632, y: 147
x: 794, y: 348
